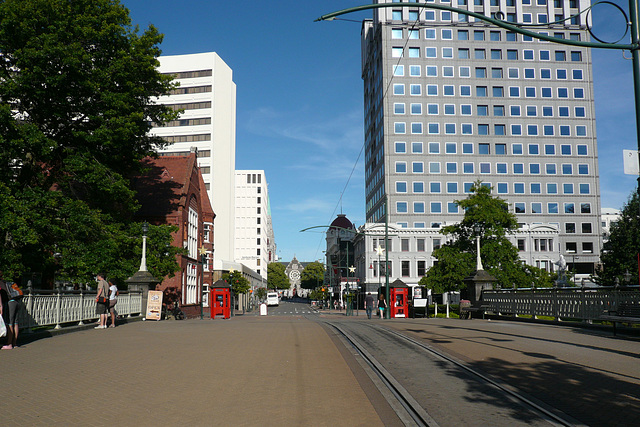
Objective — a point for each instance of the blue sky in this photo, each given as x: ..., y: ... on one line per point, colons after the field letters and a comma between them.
x: 300, y: 107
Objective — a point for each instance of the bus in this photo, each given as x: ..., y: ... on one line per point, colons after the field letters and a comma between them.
x: 272, y: 298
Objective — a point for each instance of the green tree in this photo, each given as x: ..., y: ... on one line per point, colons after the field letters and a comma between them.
x: 312, y: 276
x: 276, y: 279
x: 239, y: 283
x: 457, y: 258
x: 261, y: 294
x: 318, y: 294
x: 76, y: 84
x: 620, y: 252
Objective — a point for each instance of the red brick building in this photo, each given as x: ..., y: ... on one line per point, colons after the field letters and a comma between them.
x: 173, y: 192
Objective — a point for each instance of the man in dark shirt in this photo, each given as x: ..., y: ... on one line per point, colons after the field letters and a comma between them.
x: 368, y: 304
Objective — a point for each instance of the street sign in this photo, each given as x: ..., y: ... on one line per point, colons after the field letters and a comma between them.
x: 631, y: 166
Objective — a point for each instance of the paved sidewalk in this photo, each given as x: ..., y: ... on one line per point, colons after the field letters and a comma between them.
x: 267, y: 371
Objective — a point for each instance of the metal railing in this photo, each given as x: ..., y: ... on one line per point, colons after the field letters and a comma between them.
x: 560, y: 303
x: 58, y: 307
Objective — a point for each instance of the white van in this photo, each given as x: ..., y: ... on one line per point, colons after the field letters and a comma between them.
x: 272, y: 298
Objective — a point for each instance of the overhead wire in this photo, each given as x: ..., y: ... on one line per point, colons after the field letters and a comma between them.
x: 415, y: 24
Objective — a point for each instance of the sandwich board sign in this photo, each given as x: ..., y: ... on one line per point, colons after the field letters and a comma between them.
x: 154, y: 305
x: 631, y: 166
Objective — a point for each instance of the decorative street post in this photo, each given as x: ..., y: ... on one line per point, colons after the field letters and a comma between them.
x: 203, y: 259
x: 478, y: 229
x: 142, y: 280
x: 143, y: 261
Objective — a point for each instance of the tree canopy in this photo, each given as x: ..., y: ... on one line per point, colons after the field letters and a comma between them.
x: 312, y: 276
x: 276, y: 279
x: 239, y: 283
x: 620, y: 251
x: 488, y: 217
x: 76, y: 87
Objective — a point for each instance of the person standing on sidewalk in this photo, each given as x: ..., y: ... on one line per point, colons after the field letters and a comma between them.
x: 102, y: 301
x: 368, y: 304
x: 113, y: 300
x: 10, y: 305
x: 382, y: 304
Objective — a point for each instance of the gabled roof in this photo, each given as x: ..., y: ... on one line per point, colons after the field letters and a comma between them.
x: 164, y: 186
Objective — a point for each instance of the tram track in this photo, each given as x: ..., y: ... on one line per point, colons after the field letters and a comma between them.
x: 436, y: 379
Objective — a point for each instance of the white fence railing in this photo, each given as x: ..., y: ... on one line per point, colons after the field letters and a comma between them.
x: 57, y: 308
x: 571, y: 303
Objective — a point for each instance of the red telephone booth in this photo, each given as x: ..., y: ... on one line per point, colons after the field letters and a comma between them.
x: 220, y: 299
x: 398, y: 299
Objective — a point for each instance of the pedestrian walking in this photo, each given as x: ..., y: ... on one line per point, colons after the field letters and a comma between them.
x: 368, y: 304
x: 382, y: 304
x: 113, y: 300
x: 10, y: 306
x: 102, y: 301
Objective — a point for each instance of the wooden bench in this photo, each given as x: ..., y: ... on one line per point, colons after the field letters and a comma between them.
x: 466, y: 309
x: 626, y: 313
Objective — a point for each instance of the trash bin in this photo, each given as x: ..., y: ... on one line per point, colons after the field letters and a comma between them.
x: 465, y: 309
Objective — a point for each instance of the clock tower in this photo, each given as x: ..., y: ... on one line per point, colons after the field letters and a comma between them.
x: 293, y: 272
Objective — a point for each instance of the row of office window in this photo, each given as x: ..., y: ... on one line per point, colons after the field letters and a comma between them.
x: 541, y: 245
x: 485, y: 148
x: 431, y: 52
x: 451, y: 207
x: 448, y: 71
x: 436, y: 187
x: 510, y: 3
x: 472, y: 35
x: 190, y: 74
x: 556, y: 3
x: 481, y: 91
x: 418, y: 128
x: 190, y: 90
x: 189, y: 105
x: 186, y: 122
x: 470, y: 168
x: 188, y: 138
x: 448, y: 16
x: 434, y: 109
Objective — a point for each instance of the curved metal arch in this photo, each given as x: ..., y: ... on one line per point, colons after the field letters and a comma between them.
x: 496, y: 22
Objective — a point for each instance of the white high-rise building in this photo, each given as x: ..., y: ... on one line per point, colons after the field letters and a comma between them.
x: 207, y: 94
x: 254, y: 238
x: 450, y: 100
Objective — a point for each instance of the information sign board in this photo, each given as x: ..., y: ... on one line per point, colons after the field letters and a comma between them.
x: 154, y: 305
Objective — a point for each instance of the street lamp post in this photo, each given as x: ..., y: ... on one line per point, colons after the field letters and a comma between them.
x: 352, y: 270
x: 143, y: 260
x: 387, y: 312
x: 478, y: 229
x: 379, y: 251
x: 203, y: 260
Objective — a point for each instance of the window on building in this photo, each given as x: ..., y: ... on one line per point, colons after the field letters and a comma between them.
x: 405, y: 269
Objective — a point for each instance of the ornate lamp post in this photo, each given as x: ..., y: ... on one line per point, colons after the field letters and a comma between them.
x: 143, y: 261
x: 203, y: 260
x: 478, y: 229
x: 379, y: 251
x: 142, y: 280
